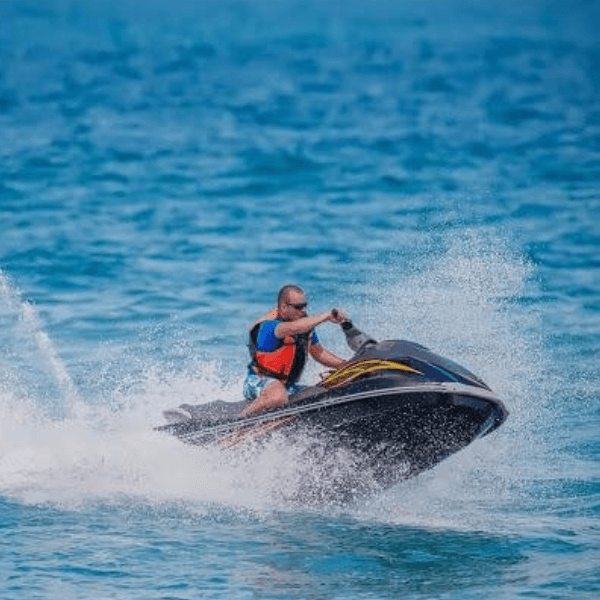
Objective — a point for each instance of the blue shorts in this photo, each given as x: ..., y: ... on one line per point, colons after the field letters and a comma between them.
x: 255, y: 384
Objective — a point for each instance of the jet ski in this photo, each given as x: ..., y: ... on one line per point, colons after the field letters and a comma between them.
x: 396, y: 407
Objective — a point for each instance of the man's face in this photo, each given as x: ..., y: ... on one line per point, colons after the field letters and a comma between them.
x: 294, y: 306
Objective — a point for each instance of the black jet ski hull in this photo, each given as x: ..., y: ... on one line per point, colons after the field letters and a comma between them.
x: 392, y: 433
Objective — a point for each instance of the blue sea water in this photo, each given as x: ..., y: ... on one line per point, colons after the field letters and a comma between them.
x: 431, y: 166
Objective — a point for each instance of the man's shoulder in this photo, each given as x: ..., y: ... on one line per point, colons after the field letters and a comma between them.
x: 266, y: 336
x: 269, y: 323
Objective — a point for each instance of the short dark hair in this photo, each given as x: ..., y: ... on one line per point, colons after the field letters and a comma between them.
x: 283, y: 292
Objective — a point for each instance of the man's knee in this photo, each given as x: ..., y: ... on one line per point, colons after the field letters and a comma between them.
x: 275, y: 392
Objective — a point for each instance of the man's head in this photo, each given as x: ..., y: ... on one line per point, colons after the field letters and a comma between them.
x: 291, y: 302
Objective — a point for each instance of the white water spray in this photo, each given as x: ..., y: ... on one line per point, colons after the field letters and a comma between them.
x: 29, y: 317
x: 463, y: 307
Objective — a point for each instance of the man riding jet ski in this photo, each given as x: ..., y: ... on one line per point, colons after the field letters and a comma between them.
x: 395, y: 407
x: 279, y: 344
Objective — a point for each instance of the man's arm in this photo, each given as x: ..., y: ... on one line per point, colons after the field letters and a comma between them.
x: 326, y: 358
x: 303, y: 325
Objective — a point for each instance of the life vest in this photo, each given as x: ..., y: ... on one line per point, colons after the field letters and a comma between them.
x: 285, y: 362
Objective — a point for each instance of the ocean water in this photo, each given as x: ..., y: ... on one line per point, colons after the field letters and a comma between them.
x: 431, y: 166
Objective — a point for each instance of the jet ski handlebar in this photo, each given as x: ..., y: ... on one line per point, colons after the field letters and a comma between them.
x: 355, y: 338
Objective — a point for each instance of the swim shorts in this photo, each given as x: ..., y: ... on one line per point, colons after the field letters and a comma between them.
x: 255, y: 384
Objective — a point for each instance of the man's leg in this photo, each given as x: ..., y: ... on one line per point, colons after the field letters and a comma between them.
x: 272, y: 396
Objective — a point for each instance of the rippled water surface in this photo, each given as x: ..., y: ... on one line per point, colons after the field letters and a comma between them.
x: 433, y: 167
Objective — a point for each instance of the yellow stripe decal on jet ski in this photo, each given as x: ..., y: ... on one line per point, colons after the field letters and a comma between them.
x: 362, y: 367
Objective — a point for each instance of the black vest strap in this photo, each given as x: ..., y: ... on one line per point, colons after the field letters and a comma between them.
x: 301, y: 341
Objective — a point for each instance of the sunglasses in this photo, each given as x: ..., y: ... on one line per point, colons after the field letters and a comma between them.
x: 299, y: 306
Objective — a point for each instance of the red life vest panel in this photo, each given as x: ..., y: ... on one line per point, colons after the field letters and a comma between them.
x: 285, y: 362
